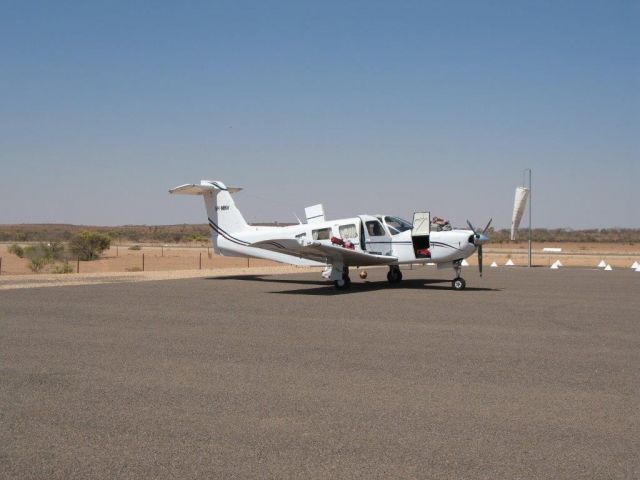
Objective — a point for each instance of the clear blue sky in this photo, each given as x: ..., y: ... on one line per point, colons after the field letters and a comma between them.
x: 365, y: 106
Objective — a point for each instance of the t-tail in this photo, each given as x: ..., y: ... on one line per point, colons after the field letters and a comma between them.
x: 224, y: 217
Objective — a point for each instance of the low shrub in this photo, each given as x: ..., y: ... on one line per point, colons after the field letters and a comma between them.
x: 63, y: 268
x: 52, y: 251
x: 196, y: 237
x: 31, y: 252
x: 89, y: 245
x: 49, y: 252
x: 16, y: 250
x: 37, y: 264
x: 135, y: 247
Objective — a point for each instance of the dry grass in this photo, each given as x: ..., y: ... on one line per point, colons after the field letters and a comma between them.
x: 156, y: 258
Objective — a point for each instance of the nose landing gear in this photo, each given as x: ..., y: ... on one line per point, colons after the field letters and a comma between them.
x: 458, y: 283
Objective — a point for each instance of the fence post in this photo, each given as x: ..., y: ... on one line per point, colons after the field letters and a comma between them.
x: 161, y: 250
x: 78, y: 265
x: 200, y: 262
x: 143, y: 262
x: 248, y: 262
x: 0, y: 265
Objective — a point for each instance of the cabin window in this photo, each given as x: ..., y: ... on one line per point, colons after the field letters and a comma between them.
x: 375, y: 228
x: 397, y: 225
x: 321, y: 234
x: 348, y: 231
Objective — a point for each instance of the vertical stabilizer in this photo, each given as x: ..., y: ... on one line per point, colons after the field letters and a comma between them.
x: 223, y: 216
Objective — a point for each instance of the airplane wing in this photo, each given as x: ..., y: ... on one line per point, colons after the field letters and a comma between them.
x: 320, y: 252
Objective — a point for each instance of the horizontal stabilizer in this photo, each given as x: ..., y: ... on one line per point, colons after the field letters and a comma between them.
x: 205, y: 186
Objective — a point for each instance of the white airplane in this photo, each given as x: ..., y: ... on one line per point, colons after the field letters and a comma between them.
x: 361, y: 241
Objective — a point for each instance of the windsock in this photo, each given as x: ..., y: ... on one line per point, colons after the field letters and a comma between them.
x: 520, y: 202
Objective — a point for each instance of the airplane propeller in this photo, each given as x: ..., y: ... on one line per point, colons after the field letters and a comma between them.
x: 479, y: 238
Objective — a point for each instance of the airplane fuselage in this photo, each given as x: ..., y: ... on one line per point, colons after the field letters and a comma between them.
x: 444, y: 246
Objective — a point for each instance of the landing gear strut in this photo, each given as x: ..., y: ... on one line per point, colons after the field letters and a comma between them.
x: 394, y: 275
x: 343, y: 281
x: 458, y: 283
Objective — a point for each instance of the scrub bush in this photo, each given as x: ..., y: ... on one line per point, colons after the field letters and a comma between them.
x: 89, y: 245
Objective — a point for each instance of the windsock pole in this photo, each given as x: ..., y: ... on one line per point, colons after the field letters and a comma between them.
x: 529, y: 170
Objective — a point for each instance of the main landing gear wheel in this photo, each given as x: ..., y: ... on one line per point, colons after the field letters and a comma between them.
x: 458, y: 284
x: 394, y: 275
x: 342, y: 283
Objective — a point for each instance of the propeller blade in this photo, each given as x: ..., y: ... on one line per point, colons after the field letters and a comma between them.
x: 487, y: 227
x: 480, y: 259
x: 471, y: 226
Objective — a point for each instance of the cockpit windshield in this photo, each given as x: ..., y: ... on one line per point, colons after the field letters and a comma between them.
x: 397, y: 225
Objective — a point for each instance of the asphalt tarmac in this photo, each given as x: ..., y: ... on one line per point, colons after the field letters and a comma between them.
x: 526, y: 374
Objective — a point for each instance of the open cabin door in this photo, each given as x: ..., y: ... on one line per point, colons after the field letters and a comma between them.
x: 420, y: 234
x: 315, y: 213
x: 374, y: 237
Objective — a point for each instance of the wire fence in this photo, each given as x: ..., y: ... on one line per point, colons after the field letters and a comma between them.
x: 133, y: 259
x: 136, y: 258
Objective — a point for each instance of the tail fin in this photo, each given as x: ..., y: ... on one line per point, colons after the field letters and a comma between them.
x: 224, y: 217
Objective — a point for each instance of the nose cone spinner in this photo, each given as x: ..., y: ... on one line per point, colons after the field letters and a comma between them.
x: 481, y: 239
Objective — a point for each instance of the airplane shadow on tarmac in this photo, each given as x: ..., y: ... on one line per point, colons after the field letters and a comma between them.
x: 327, y: 288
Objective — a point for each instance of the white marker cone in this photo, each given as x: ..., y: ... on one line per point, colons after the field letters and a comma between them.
x: 635, y: 265
x: 554, y: 266
x: 602, y: 264
x: 559, y: 263
x: 608, y: 268
x: 509, y: 263
x: 638, y: 268
x: 465, y: 263
x: 494, y: 264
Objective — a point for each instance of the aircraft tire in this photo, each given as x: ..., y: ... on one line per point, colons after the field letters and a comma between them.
x: 343, y: 283
x: 394, y: 275
x: 458, y: 283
